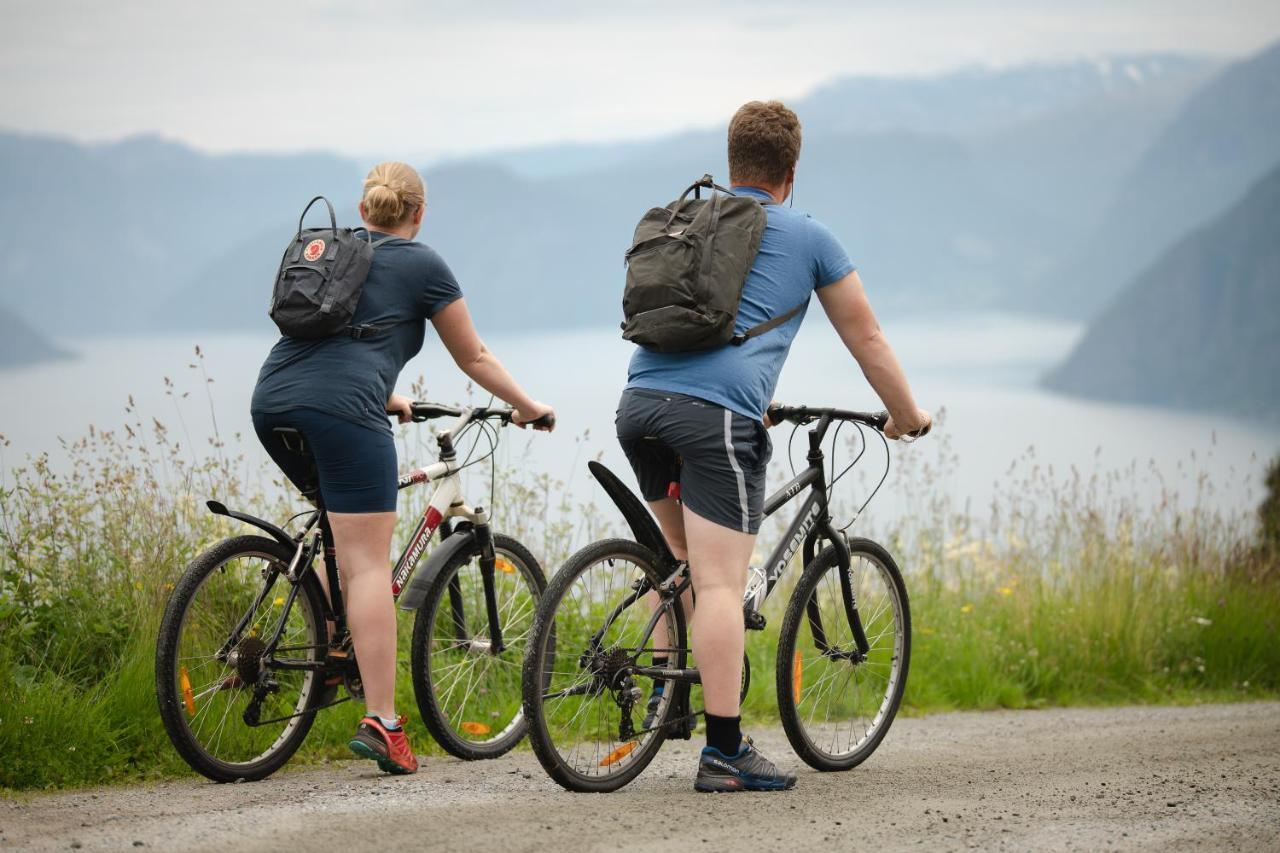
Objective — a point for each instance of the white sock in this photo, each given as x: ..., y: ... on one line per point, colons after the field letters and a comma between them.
x: 391, y: 724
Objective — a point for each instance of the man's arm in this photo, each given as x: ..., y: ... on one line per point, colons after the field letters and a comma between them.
x: 850, y: 313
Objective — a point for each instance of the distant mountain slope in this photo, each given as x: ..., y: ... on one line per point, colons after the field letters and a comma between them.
x: 1200, y: 328
x: 933, y: 220
x: 98, y: 234
x: 20, y: 344
x: 1225, y: 137
x: 950, y: 192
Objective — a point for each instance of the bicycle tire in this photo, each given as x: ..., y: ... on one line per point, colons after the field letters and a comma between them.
x: 802, y: 740
x: 545, y: 638
x: 167, y: 667
x: 424, y: 688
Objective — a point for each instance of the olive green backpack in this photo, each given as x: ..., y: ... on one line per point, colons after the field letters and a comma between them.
x: 686, y: 268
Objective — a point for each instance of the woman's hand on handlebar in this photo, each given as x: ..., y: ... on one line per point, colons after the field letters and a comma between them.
x: 924, y: 422
x: 401, y: 407
x: 539, y: 415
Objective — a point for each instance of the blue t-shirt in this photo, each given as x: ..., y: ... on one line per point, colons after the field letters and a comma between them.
x: 408, y: 283
x: 797, y: 255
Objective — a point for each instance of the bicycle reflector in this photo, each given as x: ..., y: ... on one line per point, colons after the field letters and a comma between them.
x: 187, y: 699
x: 505, y: 565
x: 475, y: 728
x: 619, y: 753
x: 797, y: 675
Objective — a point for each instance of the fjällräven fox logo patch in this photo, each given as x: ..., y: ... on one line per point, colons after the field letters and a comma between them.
x: 314, y: 250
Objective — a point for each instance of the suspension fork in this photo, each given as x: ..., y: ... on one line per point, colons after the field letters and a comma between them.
x: 488, y: 561
x: 812, y: 611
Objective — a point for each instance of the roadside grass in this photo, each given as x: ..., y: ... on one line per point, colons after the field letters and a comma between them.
x: 1067, y: 591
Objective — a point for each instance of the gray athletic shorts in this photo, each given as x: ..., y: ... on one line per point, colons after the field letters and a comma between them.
x: 716, y: 458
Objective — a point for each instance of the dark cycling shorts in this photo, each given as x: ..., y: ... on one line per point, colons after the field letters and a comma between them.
x: 355, y: 465
x: 717, y: 456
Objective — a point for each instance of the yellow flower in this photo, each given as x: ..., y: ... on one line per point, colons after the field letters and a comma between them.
x: 137, y: 584
x: 279, y: 602
x: 169, y: 587
x: 928, y: 632
x: 967, y: 608
x: 1005, y: 591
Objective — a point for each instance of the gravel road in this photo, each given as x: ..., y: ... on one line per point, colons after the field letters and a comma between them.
x: 1204, y: 777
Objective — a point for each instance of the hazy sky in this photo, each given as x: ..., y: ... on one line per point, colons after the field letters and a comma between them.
x: 414, y: 79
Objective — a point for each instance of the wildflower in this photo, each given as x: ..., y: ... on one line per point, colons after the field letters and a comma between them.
x: 1005, y: 591
x: 928, y: 632
x: 279, y: 602
x: 28, y: 721
x: 169, y: 587
x: 137, y: 585
x: 1200, y: 620
x: 967, y: 608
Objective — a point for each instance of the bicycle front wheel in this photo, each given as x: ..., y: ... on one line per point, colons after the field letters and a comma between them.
x: 836, y: 700
x: 234, y: 707
x: 468, y: 693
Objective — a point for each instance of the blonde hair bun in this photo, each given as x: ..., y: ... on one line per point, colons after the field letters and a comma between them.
x: 393, y: 192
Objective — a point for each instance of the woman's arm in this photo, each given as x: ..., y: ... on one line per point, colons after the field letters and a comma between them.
x: 453, y: 324
x: 850, y: 313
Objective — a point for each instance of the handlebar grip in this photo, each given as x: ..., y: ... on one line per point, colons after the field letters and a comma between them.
x: 881, y: 418
x: 547, y: 422
x: 428, y: 411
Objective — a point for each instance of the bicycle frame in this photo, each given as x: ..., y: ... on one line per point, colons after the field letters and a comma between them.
x: 445, y: 505
x: 811, y: 524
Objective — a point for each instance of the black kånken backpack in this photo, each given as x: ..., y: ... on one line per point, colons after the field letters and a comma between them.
x: 686, y: 267
x: 320, y: 278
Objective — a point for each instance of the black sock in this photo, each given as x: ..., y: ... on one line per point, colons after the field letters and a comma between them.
x: 724, y: 734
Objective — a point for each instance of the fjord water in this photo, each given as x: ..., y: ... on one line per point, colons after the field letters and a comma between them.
x: 980, y: 370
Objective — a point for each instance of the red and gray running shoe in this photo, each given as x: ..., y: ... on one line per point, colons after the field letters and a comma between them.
x: 390, y: 748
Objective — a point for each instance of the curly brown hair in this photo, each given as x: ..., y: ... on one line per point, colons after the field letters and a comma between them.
x: 764, y: 143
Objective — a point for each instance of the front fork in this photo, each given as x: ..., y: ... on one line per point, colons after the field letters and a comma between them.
x: 488, y: 566
x: 826, y: 532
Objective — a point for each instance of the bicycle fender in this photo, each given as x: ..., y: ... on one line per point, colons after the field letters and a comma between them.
x: 219, y: 508
x: 425, y: 577
x: 638, y: 517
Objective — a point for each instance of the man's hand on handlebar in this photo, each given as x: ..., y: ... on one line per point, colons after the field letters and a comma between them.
x: 924, y: 422
x: 401, y: 407
x: 539, y: 415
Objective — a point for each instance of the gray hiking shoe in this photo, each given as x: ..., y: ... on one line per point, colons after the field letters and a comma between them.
x: 746, y: 771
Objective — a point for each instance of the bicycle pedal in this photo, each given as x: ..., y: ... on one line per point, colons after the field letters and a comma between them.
x: 754, y: 620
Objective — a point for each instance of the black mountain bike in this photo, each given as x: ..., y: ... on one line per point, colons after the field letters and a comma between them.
x: 842, y: 655
x: 251, y: 647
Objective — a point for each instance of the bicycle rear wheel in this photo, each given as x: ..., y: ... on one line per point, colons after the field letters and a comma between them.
x: 582, y: 697
x: 212, y: 666
x: 836, y: 703
x: 469, y: 697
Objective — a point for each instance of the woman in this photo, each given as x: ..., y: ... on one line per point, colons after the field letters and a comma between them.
x: 337, y: 392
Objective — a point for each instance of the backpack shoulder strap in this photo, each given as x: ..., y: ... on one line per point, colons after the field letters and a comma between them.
x: 768, y: 325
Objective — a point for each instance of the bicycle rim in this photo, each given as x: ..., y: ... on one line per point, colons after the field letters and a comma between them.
x: 213, y: 688
x: 472, y: 696
x: 835, y: 707
x: 586, y: 709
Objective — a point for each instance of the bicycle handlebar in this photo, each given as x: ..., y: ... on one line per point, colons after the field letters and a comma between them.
x: 423, y: 411
x: 809, y: 414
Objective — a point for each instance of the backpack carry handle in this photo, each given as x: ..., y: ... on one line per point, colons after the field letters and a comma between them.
x: 696, y: 188
x: 333, y: 217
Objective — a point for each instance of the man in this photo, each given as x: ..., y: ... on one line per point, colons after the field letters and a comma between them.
x: 698, y: 418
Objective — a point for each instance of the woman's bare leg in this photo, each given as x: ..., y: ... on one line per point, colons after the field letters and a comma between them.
x: 363, y: 541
